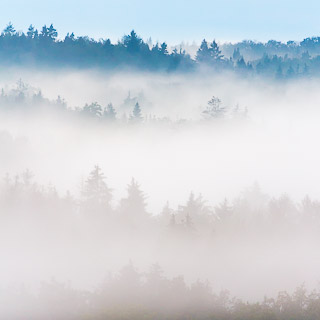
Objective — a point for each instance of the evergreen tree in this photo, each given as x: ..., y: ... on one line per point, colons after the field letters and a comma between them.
x: 48, y: 34
x: 94, y: 110
x: 136, y: 115
x: 31, y: 32
x: 9, y: 30
x: 164, y: 48
x: 203, y: 53
x: 52, y: 32
x: 109, y: 112
x: 236, y: 54
x: 209, y: 54
x: 132, y: 42
x: 96, y: 193
x: 134, y: 205
x: 215, y: 51
x: 241, y: 64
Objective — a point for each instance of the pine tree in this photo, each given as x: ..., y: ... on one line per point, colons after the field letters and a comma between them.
x: 236, y: 54
x: 94, y: 109
x: 96, y: 193
x: 203, y: 53
x: 132, y: 42
x: 164, y: 48
x: 9, y: 30
x: 134, y: 205
x: 136, y: 115
x: 209, y: 53
x: 31, y: 32
x: 110, y: 113
x: 52, y: 32
x: 215, y: 51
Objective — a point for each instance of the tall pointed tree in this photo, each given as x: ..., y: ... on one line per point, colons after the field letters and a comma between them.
x: 136, y: 115
x: 97, y: 195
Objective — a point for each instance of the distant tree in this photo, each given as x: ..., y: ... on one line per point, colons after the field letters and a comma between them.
x: 216, y: 52
x: 132, y: 42
x: 48, y: 34
x: 94, y: 110
x: 52, y: 32
x: 32, y: 32
x: 164, y: 48
x: 9, y: 30
x: 129, y: 282
x: 209, y: 53
x: 136, y: 115
x: 224, y: 210
x: 44, y: 32
x: 236, y: 54
x: 214, y: 109
x: 134, y: 205
x: 96, y: 193
x: 203, y: 53
x: 27, y: 177
x: 38, y: 98
x: 109, y: 112
x: 241, y: 64
x: 61, y: 103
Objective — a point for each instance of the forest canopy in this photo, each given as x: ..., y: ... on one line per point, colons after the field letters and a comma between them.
x: 44, y: 47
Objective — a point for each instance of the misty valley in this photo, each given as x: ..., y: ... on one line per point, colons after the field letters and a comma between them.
x: 141, y: 180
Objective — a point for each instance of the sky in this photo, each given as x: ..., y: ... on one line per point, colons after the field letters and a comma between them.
x: 173, y: 21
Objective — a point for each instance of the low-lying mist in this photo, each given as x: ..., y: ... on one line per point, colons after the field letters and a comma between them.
x: 210, y: 177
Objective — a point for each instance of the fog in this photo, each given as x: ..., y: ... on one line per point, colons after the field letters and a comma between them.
x: 261, y: 156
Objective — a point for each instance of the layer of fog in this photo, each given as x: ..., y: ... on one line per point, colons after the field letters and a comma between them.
x: 275, y: 146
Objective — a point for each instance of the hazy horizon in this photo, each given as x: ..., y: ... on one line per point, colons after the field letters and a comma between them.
x: 171, y: 21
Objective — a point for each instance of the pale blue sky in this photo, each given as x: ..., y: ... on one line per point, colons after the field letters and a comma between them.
x: 173, y: 21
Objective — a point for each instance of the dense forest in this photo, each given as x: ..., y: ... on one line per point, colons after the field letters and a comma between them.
x: 44, y: 48
x: 36, y: 214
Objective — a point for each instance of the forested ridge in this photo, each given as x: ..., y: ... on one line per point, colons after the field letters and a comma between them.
x: 44, y: 48
x: 91, y: 220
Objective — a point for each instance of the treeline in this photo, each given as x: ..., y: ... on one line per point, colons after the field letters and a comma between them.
x: 43, y: 48
x: 131, y: 294
x: 93, y: 223
x: 20, y: 194
x: 25, y: 99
